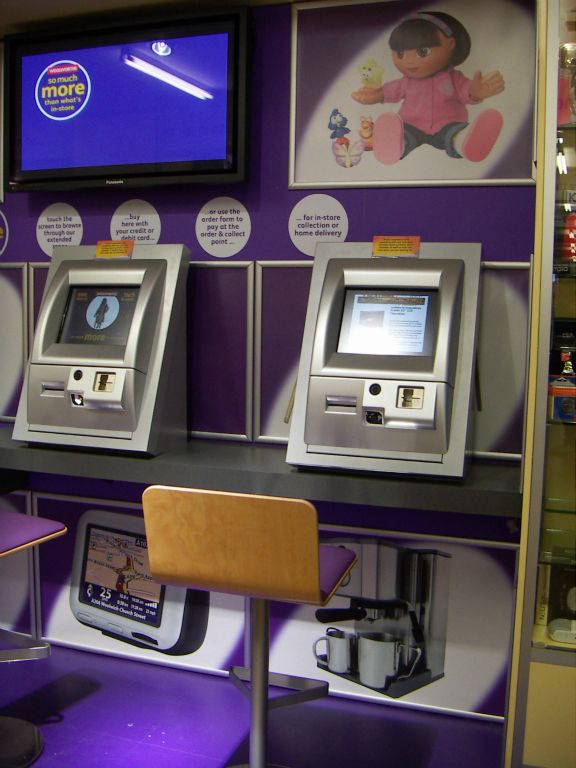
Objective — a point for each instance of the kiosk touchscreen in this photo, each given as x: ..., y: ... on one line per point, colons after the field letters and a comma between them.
x: 108, y: 362
x: 386, y: 368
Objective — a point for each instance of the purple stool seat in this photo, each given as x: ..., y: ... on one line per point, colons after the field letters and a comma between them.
x: 333, y: 562
x: 19, y: 531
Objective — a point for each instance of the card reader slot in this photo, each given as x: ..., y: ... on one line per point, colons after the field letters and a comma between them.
x: 341, y: 403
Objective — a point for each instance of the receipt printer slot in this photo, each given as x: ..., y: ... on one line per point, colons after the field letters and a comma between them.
x: 52, y: 389
x: 341, y: 404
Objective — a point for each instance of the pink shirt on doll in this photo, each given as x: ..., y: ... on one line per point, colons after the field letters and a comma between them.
x: 431, y: 103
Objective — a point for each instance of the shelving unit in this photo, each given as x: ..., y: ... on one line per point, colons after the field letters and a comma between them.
x: 542, y: 705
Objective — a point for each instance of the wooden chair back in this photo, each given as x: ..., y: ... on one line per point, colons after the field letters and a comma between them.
x: 257, y: 546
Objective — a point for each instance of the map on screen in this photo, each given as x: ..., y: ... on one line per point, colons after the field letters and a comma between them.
x: 116, y: 576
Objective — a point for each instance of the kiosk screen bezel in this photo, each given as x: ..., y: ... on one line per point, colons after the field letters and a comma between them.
x: 440, y: 279
x: 147, y: 277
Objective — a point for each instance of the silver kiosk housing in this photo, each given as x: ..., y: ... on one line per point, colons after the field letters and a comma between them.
x: 114, y: 380
x: 386, y: 367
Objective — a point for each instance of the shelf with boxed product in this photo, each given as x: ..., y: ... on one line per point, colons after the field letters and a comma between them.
x: 559, y: 486
x: 555, y: 614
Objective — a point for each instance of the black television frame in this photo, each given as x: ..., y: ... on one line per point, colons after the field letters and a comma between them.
x: 232, y: 169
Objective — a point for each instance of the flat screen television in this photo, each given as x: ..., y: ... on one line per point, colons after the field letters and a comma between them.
x: 143, y: 105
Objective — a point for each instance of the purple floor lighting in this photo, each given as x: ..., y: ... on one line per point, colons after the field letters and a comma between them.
x: 97, y: 711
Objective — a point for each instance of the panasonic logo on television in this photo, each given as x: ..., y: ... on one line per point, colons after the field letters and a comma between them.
x: 114, y: 181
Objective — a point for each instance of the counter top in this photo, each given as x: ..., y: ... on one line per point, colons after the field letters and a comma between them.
x: 487, y: 489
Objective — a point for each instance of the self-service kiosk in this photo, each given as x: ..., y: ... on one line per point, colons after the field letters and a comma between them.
x: 386, y: 368
x: 108, y: 362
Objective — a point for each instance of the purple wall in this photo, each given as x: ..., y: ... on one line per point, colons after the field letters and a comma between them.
x: 454, y: 214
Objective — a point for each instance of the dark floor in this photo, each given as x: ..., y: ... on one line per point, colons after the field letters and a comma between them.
x: 98, y: 711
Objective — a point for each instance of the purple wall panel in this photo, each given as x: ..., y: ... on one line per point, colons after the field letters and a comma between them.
x: 56, y: 559
x: 14, y: 575
x: 39, y: 276
x: 284, y: 299
x: 499, y: 426
x: 217, y: 350
x: 12, y: 303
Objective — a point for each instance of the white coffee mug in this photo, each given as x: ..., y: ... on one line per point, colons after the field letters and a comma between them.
x: 376, y: 660
x: 379, y: 658
x: 337, y: 650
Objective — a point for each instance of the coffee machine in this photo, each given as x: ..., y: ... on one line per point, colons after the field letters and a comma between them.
x: 399, y: 596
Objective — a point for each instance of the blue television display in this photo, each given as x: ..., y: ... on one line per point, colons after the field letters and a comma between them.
x: 158, y: 103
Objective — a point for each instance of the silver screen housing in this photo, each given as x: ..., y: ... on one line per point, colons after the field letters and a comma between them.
x: 410, y: 274
x: 148, y: 275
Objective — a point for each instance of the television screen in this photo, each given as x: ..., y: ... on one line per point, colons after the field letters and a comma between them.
x: 116, y: 576
x: 388, y: 322
x: 98, y: 315
x: 131, y: 106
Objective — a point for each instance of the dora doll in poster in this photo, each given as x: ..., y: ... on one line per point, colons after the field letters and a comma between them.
x: 426, y: 49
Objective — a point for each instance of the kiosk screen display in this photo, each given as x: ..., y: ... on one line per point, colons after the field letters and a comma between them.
x: 98, y: 315
x: 388, y: 322
x: 116, y: 576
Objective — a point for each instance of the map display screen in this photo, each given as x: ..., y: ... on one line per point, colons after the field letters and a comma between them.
x: 116, y: 576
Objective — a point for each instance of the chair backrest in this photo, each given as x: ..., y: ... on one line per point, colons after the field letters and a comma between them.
x: 258, y: 546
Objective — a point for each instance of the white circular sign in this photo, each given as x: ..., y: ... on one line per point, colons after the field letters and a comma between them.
x: 317, y: 219
x: 59, y: 224
x: 223, y: 227
x: 136, y: 220
x: 63, y: 90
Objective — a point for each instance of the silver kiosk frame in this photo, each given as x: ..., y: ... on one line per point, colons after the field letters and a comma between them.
x: 396, y: 413
x: 95, y: 390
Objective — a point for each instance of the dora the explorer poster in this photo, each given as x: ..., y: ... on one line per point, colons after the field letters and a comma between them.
x: 413, y: 93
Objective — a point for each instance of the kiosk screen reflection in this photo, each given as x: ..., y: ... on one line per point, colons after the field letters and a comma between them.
x: 388, y: 322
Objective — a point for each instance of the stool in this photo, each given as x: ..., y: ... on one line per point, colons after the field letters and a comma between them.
x: 262, y: 547
x: 21, y: 742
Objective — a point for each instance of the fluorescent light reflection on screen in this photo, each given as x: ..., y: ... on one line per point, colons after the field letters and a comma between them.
x: 166, y: 77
